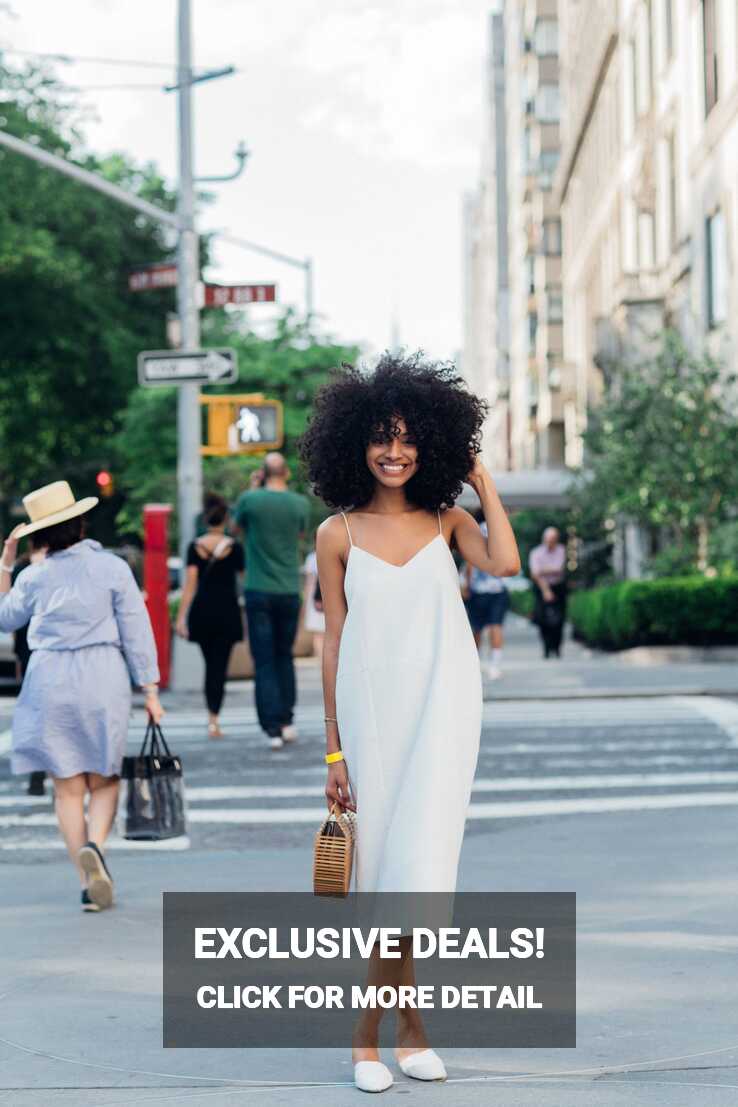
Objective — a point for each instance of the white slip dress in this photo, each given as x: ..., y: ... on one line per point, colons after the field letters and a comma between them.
x: 409, y: 712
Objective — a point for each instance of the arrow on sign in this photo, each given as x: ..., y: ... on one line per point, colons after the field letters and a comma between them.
x: 180, y: 367
x: 216, y: 366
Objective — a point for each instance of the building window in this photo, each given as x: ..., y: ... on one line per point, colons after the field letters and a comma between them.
x: 532, y: 333
x: 632, y: 75
x: 549, y: 160
x: 650, y: 45
x: 530, y: 273
x: 717, y: 270
x: 710, y: 53
x: 673, y: 210
x: 546, y: 37
x: 529, y: 162
x: 642, y: 65
x: 669, y: 29
x: 552, y: 237
x: 547, y: 103
x: 555, y: 312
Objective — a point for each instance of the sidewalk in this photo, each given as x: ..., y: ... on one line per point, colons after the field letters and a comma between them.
x: 582, y: 672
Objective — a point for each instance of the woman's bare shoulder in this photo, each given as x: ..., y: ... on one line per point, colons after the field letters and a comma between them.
x: 455, y: 515
x: 331, y: 534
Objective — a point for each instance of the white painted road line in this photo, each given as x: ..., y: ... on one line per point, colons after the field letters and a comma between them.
x: 6, y: 739
x: 724, y: 713
x: 290, y: 816
x: 571, y: 783
x: 508, y: 784
x: 55, y: 843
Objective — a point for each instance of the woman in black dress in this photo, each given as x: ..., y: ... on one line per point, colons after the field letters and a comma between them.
x: 209, y: 613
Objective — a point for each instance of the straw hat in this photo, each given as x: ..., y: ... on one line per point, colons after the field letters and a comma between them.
x: 52, y: 504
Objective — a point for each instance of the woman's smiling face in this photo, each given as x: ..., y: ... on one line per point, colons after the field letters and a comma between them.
x: 392, y: 455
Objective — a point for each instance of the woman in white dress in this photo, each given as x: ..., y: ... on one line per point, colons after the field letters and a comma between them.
x: 401, y: 679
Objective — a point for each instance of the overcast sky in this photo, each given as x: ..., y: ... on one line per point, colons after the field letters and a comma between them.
x: 364, y: 119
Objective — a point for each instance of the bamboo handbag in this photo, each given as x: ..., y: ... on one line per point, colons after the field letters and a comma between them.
x: 333, y: 856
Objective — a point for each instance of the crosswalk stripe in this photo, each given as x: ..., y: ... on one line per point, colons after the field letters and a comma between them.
x: 56, y: 843
x: 260, y: 816
x: 573, y: 783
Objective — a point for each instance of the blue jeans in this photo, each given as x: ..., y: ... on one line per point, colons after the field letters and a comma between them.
x: 271, y: 618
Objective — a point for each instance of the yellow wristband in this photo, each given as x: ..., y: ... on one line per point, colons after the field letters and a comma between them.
x: 331, y: 758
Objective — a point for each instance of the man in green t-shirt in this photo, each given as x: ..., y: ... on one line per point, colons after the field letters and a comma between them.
x: 273, y: 518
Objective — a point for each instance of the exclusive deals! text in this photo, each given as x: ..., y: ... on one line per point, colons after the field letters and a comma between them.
x: 253, y: 943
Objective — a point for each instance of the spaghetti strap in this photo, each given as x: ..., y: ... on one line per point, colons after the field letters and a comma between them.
x: 438, y: 513
x: 351, y: 541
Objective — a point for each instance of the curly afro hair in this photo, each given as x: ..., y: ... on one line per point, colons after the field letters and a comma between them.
x: 444, y: 418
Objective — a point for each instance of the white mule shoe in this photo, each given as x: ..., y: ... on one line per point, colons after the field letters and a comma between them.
x: 425, y: 1065
x: 372, y: 1076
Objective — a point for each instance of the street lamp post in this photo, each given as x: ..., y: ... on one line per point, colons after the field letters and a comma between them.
x: 189, y: 463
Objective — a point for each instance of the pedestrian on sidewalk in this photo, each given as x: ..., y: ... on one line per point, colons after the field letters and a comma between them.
x: 486, y: 607
x: 401, y: 681
x: 209, y: 612
x: 89, y: 636
x: 273, y: 519
x: 547, y: 566
x: 314, y: 620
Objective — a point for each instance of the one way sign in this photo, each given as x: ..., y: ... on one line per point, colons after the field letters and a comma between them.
x: 191, y: 366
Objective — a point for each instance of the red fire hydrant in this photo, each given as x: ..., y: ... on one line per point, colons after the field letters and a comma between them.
x: 156, y: 582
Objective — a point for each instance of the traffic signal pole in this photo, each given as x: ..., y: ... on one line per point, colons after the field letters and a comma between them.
x: 189, y: 463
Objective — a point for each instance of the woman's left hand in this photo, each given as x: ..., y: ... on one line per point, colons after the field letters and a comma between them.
x: 153, y: 706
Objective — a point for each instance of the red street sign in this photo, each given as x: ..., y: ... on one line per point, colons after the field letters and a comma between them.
x: 216, y: 295
x: 154, y: 276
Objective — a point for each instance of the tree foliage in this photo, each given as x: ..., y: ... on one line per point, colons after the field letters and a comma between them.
x: 662, y: 449
x: 70, y: 328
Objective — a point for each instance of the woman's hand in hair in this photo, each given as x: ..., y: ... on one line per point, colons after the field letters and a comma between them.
x: 478, y: 475
x: 10, y: 547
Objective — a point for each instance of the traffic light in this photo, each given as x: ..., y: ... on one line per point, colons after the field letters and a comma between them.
x: 241, y: 424
x: 105, y: 483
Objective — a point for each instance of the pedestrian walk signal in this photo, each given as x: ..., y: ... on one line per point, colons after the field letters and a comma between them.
x: 241, y: 424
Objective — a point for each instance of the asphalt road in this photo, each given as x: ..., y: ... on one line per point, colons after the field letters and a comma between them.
x: 630, y: 799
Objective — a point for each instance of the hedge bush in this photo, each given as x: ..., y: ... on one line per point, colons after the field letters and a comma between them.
x: 674, y: 611
x: 521, y: 602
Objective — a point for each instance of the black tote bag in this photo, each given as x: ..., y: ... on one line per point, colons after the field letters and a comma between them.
x: 153, y: 796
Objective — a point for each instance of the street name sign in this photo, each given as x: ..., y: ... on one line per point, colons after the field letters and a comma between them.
x: 187, y: 366
x: 153, y: 277
x: 217, y: 295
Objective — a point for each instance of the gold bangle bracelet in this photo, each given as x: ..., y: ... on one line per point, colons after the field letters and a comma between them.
x: 332, y: 758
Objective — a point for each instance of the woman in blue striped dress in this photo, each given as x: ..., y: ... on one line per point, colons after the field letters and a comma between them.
x: 90, y: 636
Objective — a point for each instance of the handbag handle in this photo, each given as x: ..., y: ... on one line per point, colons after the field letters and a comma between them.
x: 155, y: 736
x: 331, y: 820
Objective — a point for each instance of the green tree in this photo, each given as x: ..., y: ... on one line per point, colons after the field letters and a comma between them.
x: 289, y: 366
x: 70, y: 328
x: 662, y: 449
